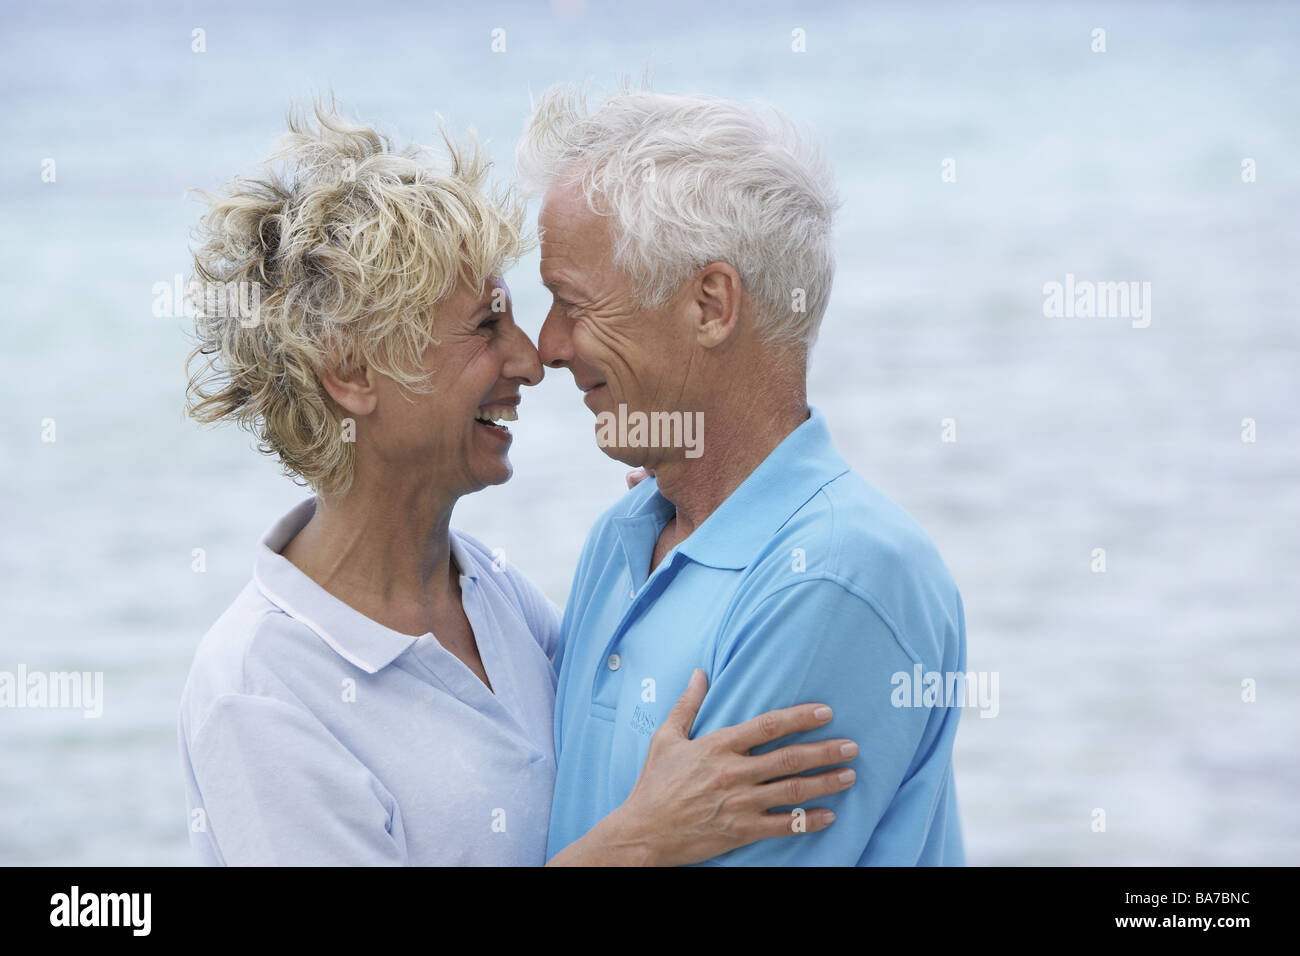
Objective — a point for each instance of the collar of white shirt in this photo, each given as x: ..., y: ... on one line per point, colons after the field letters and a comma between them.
x: 356, y: 638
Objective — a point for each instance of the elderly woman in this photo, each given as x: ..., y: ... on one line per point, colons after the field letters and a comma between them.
x: 382, y: 691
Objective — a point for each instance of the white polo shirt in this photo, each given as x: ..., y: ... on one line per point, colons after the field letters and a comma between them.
x: 313, y: 735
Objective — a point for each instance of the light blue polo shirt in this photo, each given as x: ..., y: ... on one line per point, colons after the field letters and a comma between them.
x: 313, y: 735
x: 806, y: 584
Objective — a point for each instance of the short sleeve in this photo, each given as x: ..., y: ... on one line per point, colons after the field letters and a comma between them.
x: 817, y: 641
x: 278, y: 789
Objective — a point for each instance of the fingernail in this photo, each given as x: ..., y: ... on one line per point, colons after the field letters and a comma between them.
x: 849, y: 750
x: 846, y: 776
x: 822, y: 713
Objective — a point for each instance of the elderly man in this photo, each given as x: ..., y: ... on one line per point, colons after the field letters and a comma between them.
x: 686, y: 241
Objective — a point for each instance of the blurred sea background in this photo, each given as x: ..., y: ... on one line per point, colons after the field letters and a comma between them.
x: 1120, y: 691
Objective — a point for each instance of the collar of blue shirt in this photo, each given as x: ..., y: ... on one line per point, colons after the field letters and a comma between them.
x: 353, y: 636
x: 733, y: 535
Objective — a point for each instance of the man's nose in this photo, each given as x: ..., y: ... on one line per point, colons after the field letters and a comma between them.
x: 554, y: 342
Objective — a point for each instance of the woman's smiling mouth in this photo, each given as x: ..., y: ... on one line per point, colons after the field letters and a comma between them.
x: 490, y: 418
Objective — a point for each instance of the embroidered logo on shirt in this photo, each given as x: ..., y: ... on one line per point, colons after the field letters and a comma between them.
x: 642, y: 722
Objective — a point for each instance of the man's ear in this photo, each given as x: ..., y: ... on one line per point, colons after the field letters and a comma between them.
x: 351, y: 385
x: 718, y: 296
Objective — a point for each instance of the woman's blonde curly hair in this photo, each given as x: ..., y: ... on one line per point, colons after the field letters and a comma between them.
x: 348, y: 246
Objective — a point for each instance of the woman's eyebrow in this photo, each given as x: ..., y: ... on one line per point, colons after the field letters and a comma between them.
x: 485, y: 304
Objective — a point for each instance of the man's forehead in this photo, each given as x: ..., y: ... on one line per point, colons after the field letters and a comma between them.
x: 564, y: 236
x: 564, y: 195
x: 575, y: 241
x: 565, y: 209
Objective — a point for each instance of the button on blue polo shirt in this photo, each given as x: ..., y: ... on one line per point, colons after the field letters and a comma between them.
x: 806, y: 584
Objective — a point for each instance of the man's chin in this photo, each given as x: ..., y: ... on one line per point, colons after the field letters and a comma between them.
x: 632, y: 457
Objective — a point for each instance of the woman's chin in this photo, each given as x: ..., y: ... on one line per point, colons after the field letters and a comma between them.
x: 496, y: 474
x: 490, y: 454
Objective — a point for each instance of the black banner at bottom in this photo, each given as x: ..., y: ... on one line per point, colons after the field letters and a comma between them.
x: 212, y: 907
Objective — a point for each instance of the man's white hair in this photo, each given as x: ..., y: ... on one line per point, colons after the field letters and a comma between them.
x: 690, y: 180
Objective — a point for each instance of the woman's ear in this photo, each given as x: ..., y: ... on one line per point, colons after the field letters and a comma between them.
x: 352, y: 386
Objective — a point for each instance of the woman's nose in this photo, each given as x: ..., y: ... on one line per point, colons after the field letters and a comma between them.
x: 524, y: 362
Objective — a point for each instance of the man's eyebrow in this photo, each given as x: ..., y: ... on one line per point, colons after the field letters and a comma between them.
x: 555, y: 285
